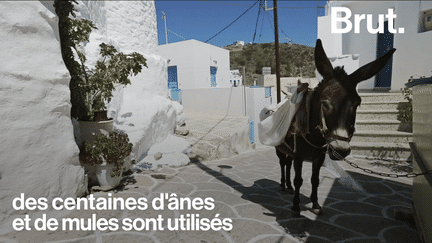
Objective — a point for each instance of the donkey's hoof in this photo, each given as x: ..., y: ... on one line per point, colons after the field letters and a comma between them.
x: 316, y: 209
x: 295, y: 214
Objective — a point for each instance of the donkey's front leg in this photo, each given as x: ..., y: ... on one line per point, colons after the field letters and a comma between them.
x: 285, y: 163
x: 298, y: 181
x: 288, y: 164
x: 316, y: 166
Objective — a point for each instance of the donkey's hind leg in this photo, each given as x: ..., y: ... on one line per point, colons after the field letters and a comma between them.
x: 285, y: 163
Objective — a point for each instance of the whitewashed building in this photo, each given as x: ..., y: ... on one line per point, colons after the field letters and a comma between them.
x: 287, y: 84
x: 239, y: 43
x: 194, y: 64
x: 39, y: 155
x: 410, y: 22
x: 235, y: 78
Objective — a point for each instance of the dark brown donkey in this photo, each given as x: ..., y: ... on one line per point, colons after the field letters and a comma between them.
x: 324, y: 122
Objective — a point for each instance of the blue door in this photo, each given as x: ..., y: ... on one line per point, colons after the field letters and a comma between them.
x: 172, y: 77
x: 384, y: 45
x: 213, y: 71
x: 173, y: 83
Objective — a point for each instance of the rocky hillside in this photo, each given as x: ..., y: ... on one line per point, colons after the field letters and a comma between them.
x: 296, y: 60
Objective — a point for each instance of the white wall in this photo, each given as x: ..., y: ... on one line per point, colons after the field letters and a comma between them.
x: 39, y: 156
x: 422, y: 122
x: 256, y: 101
x: 413, y: 55
x: 193, y: 60
x: 233, y: 101
x: 215, y: 102
x: 332, y: 43
x: 180, y: 54
x: 414, y: 50
x: 141, y: 109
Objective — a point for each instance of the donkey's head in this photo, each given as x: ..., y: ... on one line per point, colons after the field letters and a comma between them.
x: 338, y: 100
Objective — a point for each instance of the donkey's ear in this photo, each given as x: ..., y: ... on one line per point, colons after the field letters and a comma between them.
x: 370, y: 69
x: 322, y: 63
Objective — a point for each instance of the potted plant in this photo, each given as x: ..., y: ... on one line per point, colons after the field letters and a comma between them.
x: 107, y: 154
x: 97, y: 84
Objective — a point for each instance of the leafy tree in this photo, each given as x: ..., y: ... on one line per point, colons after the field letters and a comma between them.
x: 90, y: 89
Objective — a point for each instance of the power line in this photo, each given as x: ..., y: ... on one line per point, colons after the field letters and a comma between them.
x: 262, y: 25
x: 256, y: 26
x: 286, y: 35
x: 233, y: 21
x: 176, y: 34
x: 226, y: 3
x: 244, y: 5
x: 271, y: 25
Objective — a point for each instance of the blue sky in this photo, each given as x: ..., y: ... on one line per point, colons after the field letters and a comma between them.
x: 201, y: 19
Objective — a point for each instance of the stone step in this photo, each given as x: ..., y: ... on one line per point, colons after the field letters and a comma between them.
x: 382, y: 137
x: 382, y: 97
x: 389, y: 105
x: 377, y: 114
x: 389, y: 151
x: 378, y: 132
x: 382, y: 125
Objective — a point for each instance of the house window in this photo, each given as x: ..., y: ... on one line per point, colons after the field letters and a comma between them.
x: 267, y: 92
x: 213, y: 71
x: 425, y: 21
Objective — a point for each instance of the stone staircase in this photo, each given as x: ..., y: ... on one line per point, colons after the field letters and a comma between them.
x: 378, y: 132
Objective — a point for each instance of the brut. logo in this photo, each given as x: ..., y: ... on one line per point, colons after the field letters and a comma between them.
x: 335, y: 19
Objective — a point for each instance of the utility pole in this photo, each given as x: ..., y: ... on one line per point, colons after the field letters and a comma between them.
x: 278, y: 89
x: 166, y: 33
x: 244, y: 75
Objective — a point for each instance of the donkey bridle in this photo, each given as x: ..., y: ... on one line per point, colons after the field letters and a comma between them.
x: 322, y: 127
x: 325, y: 132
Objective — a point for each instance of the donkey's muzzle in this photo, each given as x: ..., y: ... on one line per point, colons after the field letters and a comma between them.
x: 339, y: 149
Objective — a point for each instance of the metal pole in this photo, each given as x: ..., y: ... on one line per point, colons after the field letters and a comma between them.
x: 278, y: 89
x: 244, y: 91
x: 166, y: 33
x: 244, y: 75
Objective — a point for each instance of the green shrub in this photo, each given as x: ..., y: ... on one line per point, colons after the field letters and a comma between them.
x: 406, y: 109
x: 113, y: 148
x: 91, y: 88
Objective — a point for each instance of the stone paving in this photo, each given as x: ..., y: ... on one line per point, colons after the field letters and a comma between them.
x: 245, y: 189
x: 357, y: 207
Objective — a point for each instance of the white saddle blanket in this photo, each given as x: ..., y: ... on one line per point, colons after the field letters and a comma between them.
x: 276, y: 120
